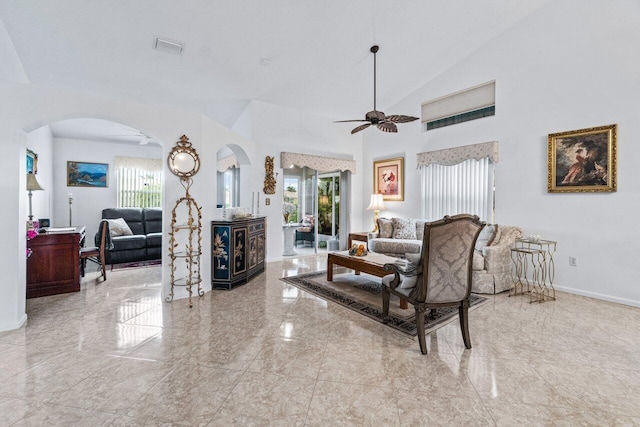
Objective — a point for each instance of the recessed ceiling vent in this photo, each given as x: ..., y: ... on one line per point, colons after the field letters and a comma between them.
x: 168, y: 46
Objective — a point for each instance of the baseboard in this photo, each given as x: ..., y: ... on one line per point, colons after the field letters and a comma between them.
x: 597, y: 295
x: 16, y: 325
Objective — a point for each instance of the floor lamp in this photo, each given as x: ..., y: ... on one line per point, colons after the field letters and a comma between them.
x: 376, y: 205
x: 32, y: 185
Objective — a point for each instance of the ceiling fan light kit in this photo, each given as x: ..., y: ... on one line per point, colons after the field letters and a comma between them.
x: 378, y: 118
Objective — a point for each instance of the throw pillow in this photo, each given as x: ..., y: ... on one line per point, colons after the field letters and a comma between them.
x: 404, y: 228
x: 118, y: 227
x: 385, y: 225
x: 420, y: 229
x: 486, y: 237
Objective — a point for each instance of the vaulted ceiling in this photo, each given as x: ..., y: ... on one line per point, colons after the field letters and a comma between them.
x: 301, y: 54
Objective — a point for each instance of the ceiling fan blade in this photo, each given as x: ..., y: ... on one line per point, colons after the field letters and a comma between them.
x: 359, y: 128
x: 398, y: 118
x: 387, y: 127
x: 347, y: 121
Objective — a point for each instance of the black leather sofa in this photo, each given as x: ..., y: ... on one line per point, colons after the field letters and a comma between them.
x: 145, y: 243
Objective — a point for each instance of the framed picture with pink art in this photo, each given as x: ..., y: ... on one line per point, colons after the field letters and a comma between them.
x: 388, y: 179
x: 583, y: 160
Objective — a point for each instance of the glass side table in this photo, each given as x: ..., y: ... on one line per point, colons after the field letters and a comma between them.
x: 535, y: 256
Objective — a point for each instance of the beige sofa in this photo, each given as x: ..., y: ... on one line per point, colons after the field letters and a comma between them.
x: 491, y: 259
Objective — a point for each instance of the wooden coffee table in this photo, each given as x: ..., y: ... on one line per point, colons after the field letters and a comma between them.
x: 371, y: 264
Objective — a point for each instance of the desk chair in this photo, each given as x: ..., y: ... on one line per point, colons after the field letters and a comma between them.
x: 95, y: 253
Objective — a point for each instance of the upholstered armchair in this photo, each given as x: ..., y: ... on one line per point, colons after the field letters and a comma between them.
x: 442, y: 276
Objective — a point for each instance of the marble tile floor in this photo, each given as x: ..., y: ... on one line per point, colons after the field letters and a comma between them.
x: 267, y: 353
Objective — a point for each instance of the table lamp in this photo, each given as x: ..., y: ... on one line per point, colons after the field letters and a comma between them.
x: 376, y: 205
x: 32, y: 185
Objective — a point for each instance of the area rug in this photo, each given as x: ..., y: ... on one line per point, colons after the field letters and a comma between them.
x: 150, y: 263
x: 363, y: 294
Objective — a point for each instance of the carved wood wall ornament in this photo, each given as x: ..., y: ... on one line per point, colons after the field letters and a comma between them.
x: 269, y: 179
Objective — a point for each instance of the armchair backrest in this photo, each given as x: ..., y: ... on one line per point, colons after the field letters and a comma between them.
x: 447, y: 258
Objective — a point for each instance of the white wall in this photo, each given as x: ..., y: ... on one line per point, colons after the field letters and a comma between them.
x: 25, y: 108
x: 88, y: 202
x: 571, y: 65
x: 275, y: 129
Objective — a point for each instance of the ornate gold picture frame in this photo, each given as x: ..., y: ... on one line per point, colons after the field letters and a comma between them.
x: 583, y: 160
x: 388, y: 179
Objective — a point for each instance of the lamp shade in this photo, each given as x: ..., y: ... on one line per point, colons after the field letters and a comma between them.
x: 377, y: 203
x: 32, y: 183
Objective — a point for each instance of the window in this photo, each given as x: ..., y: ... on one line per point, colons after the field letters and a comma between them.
x: 139, y: 182
x: 469, y: 104
x: 138, y: 188
x: 459, y: 180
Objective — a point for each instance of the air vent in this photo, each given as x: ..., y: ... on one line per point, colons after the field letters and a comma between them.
x: 168, y: 46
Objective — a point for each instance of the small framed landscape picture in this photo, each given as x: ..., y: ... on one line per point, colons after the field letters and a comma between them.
x: 32, y: 162
x: 582, y: 161
x: 388, y: 179
x: 85, y: 174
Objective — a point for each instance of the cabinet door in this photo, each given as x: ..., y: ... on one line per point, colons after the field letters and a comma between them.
x: 221, y: 251
x: 239, y: 250
x: 253, y: 251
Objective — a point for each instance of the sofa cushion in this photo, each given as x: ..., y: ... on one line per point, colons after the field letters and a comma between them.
x: 152, y: 219
x: 133, y: 217
x: 486, y: 237
x: 478, y: 261
x: 118, y: 227
x: 385, y: 226
x: 404, y: 228
x: 154, y: 240
x: 122, y: 243
x: 395, y: 246
x: 420, y: 223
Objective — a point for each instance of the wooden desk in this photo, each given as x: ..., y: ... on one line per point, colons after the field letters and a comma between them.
x: 54, y: 265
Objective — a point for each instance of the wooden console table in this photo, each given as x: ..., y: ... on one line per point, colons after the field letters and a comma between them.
x: 54, y: 265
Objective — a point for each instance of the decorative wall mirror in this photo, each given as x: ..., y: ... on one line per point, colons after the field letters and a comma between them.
x: 183, y: 160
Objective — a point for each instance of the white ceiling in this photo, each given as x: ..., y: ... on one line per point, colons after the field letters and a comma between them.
x: 318, y: 51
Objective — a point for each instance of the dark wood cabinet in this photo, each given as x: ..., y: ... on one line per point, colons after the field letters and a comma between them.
x: 237, y: 251
x: 54, y: 265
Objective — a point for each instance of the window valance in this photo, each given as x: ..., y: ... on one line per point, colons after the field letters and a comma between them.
x: 453, y: 156
x: 228, y: 162
x: 145, y: 164
x: 319, y: 163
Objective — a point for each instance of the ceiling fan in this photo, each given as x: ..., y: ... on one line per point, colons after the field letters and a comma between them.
x: 144, y: 138
x: 378, y: 118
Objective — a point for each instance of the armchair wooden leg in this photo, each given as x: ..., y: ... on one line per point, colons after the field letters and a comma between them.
x: 463, y: 314
x: 420, y: 324
x: 386, y: 295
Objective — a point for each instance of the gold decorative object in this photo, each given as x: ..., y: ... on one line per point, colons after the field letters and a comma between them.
x: 185, y: 248
x: 537, y: 254
x: 269, y: 179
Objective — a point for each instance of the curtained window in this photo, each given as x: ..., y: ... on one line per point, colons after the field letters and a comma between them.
x: 459, y: 180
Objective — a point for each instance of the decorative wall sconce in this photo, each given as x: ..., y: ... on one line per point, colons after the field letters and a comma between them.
x: 269, y: 179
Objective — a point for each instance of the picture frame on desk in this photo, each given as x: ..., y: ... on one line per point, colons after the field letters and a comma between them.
x: 87, y: 174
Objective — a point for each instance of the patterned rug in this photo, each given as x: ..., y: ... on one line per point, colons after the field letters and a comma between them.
x: 363, y: 294
x: 137, y: 264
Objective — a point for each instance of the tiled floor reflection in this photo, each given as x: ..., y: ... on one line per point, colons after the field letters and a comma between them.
x: 267, y: 353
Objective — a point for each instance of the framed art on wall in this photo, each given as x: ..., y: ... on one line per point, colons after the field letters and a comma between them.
x: 85, y: 174
x: 32, y: 162
x: 388, y: 179
x: 583, y: 160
